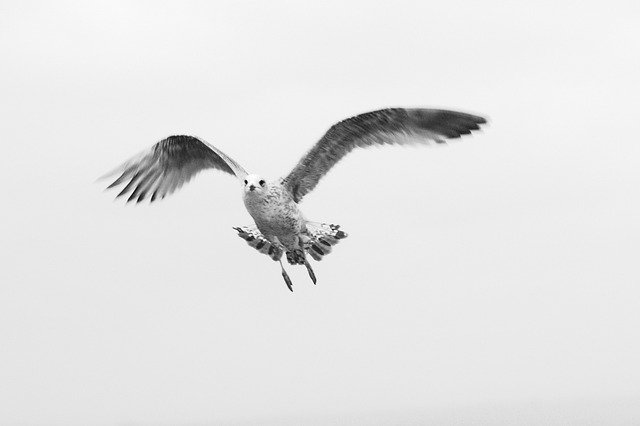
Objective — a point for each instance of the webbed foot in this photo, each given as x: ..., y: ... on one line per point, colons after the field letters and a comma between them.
x: 287, y: 280
x: 310, y: 271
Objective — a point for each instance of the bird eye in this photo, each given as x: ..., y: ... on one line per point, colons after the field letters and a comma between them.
x: 246, y: 181
x: 262, y: 182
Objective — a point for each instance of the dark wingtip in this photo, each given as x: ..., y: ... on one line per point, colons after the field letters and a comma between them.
x: 473, y: 117
x: 142, y: 196
x: 124, y: 191
x: 118, y: 181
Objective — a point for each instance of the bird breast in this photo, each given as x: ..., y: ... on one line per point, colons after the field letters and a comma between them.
x: 274, y: 211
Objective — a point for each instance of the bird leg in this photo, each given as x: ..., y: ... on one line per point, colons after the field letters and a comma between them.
x: 287, y: 280
x: 310, y: 271
x: 304, y: 244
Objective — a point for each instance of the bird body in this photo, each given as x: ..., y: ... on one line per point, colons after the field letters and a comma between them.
x: 275, y: 213
x: 280, y: 227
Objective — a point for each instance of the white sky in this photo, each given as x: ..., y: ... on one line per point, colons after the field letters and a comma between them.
x: 493, y: 281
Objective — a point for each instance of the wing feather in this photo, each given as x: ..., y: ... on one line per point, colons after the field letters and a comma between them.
x: 387, y: 126
x: 168, y: 165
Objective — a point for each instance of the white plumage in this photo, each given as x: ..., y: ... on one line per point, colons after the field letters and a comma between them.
x: 280, y: 226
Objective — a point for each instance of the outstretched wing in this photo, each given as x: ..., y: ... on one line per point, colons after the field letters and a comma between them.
x: 386, y: 126
x: 168, y: 165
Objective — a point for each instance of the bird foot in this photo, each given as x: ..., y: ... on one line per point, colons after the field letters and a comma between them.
x: 311, y: 273
x: 287, y: 280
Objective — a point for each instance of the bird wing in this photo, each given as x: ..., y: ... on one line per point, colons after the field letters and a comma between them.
x: 386, y: 126
x: 168, y: 165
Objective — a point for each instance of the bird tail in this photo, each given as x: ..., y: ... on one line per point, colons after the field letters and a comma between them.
x: 255, y: 239
x: 321, y: 237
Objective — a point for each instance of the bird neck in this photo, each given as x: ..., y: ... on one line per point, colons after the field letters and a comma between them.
x: 253, y: 199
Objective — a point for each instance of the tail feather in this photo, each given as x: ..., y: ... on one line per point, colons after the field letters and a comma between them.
x: 255, y: 239
x: 322, y: 238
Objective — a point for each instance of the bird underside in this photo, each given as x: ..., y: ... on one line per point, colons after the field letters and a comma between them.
x: 317, y: 241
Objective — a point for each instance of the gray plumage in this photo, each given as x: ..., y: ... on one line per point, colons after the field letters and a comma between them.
x: 281, y: 228
x: 387, y: 126
x: 168, y: 165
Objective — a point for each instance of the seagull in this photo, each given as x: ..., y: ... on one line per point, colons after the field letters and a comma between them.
x: 280, y: 227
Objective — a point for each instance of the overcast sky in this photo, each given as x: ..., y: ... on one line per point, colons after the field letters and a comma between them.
x: 491, y: 281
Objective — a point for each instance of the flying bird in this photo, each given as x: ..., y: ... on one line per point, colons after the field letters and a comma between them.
x: 280, y: 227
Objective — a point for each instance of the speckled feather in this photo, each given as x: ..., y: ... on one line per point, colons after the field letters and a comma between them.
x: 276, y: 215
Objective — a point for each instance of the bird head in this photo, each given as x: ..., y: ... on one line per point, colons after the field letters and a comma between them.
x: 254, y: 184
